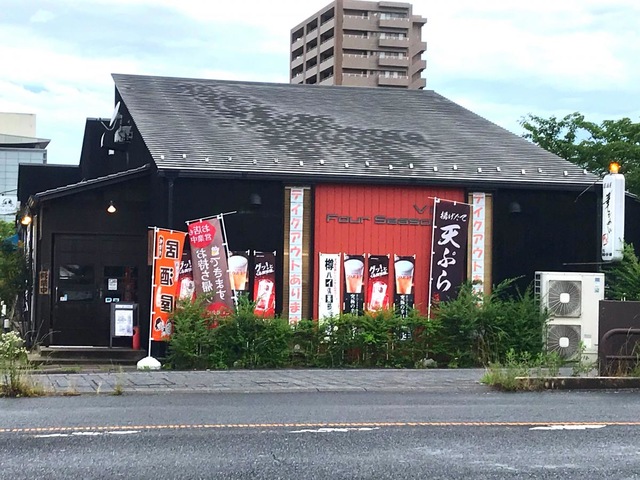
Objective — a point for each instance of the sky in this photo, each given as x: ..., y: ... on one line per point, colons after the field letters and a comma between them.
x: 502, y: 59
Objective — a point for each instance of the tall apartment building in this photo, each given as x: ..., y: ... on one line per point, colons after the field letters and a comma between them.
x: 361, y: 44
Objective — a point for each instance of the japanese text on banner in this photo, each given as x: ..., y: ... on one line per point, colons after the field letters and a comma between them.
x: 166, y: 269
x: 295, y: 255
x: 478, y: 242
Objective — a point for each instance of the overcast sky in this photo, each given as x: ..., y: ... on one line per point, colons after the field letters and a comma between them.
x: 501, y: 59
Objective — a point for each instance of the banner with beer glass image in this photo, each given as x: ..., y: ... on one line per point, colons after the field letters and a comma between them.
x: 403, y: 267
x: 186, y: 285
x: 264, y: 284
x: 239, y: 272
x: 378, y: 283
x: 353, y: 284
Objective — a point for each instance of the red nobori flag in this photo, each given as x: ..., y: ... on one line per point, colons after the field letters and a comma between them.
x: 167, y: 254
x: 209, y: 260
x: 264, y: 284
x: 378, y: 284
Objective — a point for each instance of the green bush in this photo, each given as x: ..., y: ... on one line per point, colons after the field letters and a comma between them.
x: 623, y: 278
x: 13, y: 367
x: 466, y: 331
x: 479, y: 330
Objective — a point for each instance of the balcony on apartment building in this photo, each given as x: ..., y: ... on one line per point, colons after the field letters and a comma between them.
x: 296, y: 61
x: 357, y: 42
x: 297, y: 43
x: 311, y: 34
x: 326, y: 63
x: 362, y: 62
x: 327, y: 44
x: 392, y: 61
x: 386, y: 80
x: 330, y: 80
x: 386, y: 22
x: 359, y: 80
x: 311, y: 71
x: 418, y: 83
x: 311, y: 53
x: 328, y: 25
x: 395, y: 42
x: 358, y: 22
x: 419, y: 46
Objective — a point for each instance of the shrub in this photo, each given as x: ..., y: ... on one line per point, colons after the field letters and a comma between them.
x: 13, y: 366
x: 478, y: 330
x: 466, y: 331
x: 623, y: 278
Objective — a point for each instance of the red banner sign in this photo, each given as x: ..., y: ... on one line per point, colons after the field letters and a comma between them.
x: 209, y: 259
x: 168, y: 246
x: 264, y: 284
x: 378, y: 283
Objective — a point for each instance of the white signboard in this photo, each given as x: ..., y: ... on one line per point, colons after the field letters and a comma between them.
x: 329, y: 286
x: 477, y: 242
x: 295, y: 255
x: 8, y: 204
x: 123, y: 323
x: 612, y: 217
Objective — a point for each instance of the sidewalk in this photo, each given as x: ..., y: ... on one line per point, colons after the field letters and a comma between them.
x: 261, y: 381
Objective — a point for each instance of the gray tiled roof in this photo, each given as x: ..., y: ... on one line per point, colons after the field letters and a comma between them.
x: 308, y: 131
x: 88, y: 184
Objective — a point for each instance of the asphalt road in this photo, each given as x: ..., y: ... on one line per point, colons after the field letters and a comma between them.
x: 353, y: 435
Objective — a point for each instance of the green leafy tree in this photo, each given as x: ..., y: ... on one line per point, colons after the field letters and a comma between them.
x: 13, y: 266
x: 623, y: 278
x: 590, y: 145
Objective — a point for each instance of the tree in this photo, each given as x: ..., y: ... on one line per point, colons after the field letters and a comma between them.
x: 590, y: 145
x: 13, y: 266
x: 623, y: 278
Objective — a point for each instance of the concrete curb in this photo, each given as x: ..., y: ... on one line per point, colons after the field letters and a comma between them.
x: 578, y: 383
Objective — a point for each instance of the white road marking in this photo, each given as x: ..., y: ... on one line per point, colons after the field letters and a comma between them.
x: 334, y: 430
x: 87, y: 434
x: 568, y: 427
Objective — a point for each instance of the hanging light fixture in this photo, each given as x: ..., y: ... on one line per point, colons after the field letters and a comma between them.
x: 26, y: 220
x: 111, y: 208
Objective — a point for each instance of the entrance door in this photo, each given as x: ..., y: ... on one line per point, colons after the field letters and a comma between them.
x: 91, y: 272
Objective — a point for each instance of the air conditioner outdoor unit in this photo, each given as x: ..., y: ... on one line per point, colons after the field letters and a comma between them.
x: 572, y: 300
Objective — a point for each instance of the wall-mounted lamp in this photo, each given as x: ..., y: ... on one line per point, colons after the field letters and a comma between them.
x: 255, y: 200
x: 111, y: 208
x: 514, y: 207
x: 26, y: 220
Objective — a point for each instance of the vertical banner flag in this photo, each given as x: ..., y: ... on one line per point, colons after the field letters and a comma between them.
x: 403, y: 267
x: 378, y: 283
x: 329, y: 286
x: 295, y: 255
x: 239, y: 272
x: 353, y: 282
x: 451, y: 229
x: 264, y: 284
x: 186, y: 285
x: 209, y: 258
x: 477, y: 243
x: 167, y: 253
